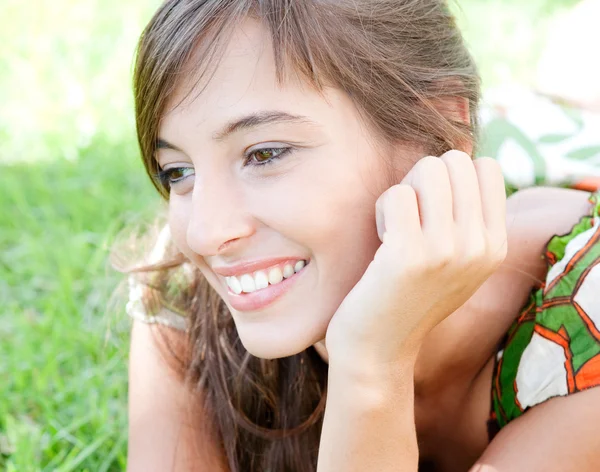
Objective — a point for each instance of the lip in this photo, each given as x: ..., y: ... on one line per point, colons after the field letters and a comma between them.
x: 253, y: 266
x: 261, y: 298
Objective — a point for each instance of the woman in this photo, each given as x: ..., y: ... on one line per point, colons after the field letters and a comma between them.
x: 340, y: 292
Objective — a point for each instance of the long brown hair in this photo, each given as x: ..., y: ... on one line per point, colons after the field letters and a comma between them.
x: 397, y: 60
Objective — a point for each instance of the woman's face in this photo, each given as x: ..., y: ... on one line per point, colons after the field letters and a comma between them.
x: 270, y: 181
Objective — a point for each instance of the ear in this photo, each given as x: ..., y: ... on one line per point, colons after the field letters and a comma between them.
x: 456, y: 109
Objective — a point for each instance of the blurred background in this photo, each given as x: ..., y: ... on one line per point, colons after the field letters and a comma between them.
x: 71, y: 178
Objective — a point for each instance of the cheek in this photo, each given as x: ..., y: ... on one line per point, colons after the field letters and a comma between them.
x: 327, y: 210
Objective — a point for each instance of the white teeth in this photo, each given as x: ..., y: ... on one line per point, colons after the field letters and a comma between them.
x: 234, y: 284
x: 288, y: 271
x: 261, y: 280
x: 275, y: 276
x: 247, y: 282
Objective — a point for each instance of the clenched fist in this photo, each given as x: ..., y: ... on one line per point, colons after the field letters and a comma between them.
x: 443, y: 233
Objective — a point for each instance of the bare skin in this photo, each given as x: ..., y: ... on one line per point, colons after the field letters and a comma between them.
x: 452, y: 401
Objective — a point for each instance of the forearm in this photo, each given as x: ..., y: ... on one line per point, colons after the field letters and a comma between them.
x: 369, y: 420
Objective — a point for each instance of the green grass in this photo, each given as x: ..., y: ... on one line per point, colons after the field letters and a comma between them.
x: 63, y: 371
x: 70, y: 179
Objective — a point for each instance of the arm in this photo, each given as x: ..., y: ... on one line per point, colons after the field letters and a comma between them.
x: 369, y: 419
x: 443, y: 234
x: 560, y: 435
x: 165, y: 424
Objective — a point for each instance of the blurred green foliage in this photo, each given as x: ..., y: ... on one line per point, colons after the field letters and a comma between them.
x: 65, y: 74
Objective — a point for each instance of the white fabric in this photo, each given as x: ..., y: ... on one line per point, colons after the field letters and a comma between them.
x: 541, y: 373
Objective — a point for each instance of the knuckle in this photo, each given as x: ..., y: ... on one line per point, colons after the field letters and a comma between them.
x: 428, y: 162
x: 455, y: 156
x: 487, y: 256
x: 400, y: 192
x: 442, y: 262
x: 442, y: 257
x: 425, y: 171
x: 487, y: 164
x: 476, y: 252
x: 433, y: 169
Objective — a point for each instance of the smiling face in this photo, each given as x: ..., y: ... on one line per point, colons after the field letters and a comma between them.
x: 273, y: 191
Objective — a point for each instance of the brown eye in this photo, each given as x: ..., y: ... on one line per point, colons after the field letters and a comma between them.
x: 170, y: 177
x: 266, y: 156
x: 175, y: 175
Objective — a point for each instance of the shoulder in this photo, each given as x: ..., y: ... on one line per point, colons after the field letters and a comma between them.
x: 167, y: 422
x: 534, y: 216
x: 545, y: 211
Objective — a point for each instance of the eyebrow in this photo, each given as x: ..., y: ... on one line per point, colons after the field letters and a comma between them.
x: 246, y: 122
x: 253, y: 120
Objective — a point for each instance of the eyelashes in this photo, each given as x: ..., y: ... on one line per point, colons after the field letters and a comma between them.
x: 272, y: 154
x: 170, y: 178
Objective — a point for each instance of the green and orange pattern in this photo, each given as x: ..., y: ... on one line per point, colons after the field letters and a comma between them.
x: 553, y: 348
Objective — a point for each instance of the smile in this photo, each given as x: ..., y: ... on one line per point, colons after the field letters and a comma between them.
x: 261, y: 279
x: 254, y: 291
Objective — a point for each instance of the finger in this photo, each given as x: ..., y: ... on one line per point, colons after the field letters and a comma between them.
x: 429, y: 177
x: 398, y: 215
x: 493, y: 196
x: 466, y: 198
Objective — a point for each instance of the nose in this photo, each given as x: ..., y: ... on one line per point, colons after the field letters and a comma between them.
x: 220, y: 222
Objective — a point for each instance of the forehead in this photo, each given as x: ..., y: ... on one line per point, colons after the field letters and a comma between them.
x: 242, y: 81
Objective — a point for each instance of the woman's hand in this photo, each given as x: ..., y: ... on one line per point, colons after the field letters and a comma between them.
x: 444, y: 233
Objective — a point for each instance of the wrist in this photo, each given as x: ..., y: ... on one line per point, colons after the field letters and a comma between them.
x: 374, y: 379
x: 353, y: 353
x: 372, y: 363
x: 369, y: 418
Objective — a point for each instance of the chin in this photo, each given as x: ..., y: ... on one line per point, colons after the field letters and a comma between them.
x: 274, y: 340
